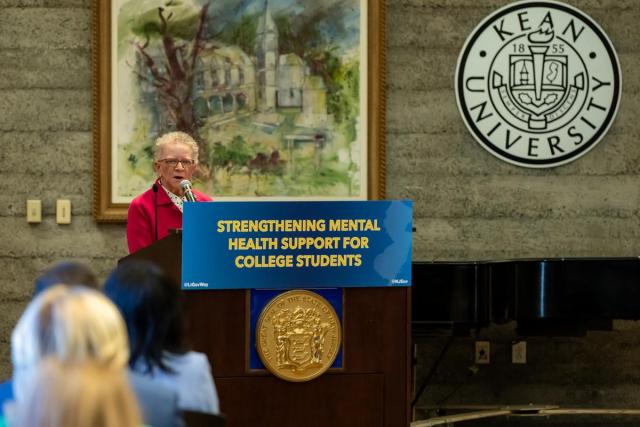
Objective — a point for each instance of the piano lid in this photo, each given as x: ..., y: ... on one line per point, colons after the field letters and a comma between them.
x: 559, y: 296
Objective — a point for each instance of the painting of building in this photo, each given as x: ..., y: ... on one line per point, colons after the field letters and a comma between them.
x: 264, y: 110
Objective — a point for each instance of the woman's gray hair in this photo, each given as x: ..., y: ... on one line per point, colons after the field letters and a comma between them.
x: 172, y: 137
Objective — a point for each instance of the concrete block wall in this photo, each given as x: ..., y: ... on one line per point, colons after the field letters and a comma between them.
x: 468, y: 204
x: 45, y: 150
x: 471, y: 205
x: 598, y: 370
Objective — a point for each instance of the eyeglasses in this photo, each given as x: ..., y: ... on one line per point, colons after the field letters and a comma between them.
x: 186, y: 163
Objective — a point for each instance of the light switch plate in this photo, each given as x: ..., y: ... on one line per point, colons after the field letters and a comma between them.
x: 34, y: 211
x: 519, y: 352
x: 63, y: 211
x: 483, y: 352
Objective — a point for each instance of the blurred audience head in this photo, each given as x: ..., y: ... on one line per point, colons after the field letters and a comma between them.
x: 77, y: 394
x: 72, y: 324
x: 150, y: 305
x: 70, y: 273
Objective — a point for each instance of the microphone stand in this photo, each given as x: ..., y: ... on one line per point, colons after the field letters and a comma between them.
x: 155, y: 207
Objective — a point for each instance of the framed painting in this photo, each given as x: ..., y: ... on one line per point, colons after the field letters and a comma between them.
x: 285, y: 98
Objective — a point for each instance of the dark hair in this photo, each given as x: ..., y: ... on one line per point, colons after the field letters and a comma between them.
x: 150, y: 304
x: 70, y: 273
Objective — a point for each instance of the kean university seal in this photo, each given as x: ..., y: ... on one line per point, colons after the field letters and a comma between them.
x: 538, y: 83
x: 298, y: 335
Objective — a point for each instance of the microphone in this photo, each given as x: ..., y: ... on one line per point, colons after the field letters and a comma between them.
x: 185, y: 184
x: 155, y: 207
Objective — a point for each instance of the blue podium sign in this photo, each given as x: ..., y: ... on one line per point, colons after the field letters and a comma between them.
x: 237, y: 245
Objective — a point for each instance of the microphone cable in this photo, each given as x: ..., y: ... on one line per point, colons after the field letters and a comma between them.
x: 155, y: 207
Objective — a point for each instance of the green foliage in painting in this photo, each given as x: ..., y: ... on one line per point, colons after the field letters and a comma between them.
x: 133, y: 160
x: 312, y: 179
x: 239, y: 152
x: 231, y: 157
x: 148, y: 151
x: 301, y: 34
x: 343, y: 101
x: 242, y: 34
x: 141, y: 18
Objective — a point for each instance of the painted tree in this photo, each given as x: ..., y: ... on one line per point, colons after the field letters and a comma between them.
x: 172, y: 73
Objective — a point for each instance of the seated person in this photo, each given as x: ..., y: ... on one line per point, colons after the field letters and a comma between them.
x: 77, y: 324
x: 150, y: 305
x: 64, y: 272
x: 69, y: 273
x: 77, y: 394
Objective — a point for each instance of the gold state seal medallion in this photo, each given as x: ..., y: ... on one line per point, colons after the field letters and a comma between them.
x: 298, y: 335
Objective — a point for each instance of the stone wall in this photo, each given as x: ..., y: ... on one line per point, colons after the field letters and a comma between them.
x: 46, y: 150
x: 471, y: 205
x: 468, y: 204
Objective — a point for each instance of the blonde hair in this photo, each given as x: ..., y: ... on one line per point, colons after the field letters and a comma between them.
x: 72, y: 324
x: 67, y: 394
x: 175, y: 137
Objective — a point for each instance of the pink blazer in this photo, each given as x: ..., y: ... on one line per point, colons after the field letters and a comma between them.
x: 141, y: 217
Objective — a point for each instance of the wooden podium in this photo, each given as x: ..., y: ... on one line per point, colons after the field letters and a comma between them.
x: 371, y: 389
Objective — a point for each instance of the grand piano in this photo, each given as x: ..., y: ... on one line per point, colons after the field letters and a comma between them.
x: 550, y: 296
x: 545, y: 297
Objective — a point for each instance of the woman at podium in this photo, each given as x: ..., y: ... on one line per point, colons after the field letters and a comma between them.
x: 159, y: 209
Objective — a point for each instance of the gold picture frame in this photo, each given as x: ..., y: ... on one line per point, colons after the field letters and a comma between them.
x: 105, y: 209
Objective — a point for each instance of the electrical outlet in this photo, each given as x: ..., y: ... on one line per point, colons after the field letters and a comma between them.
x: 63, y: 211
x: 519, y: 352
x: 34, y: 211
x: 483, y: 352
